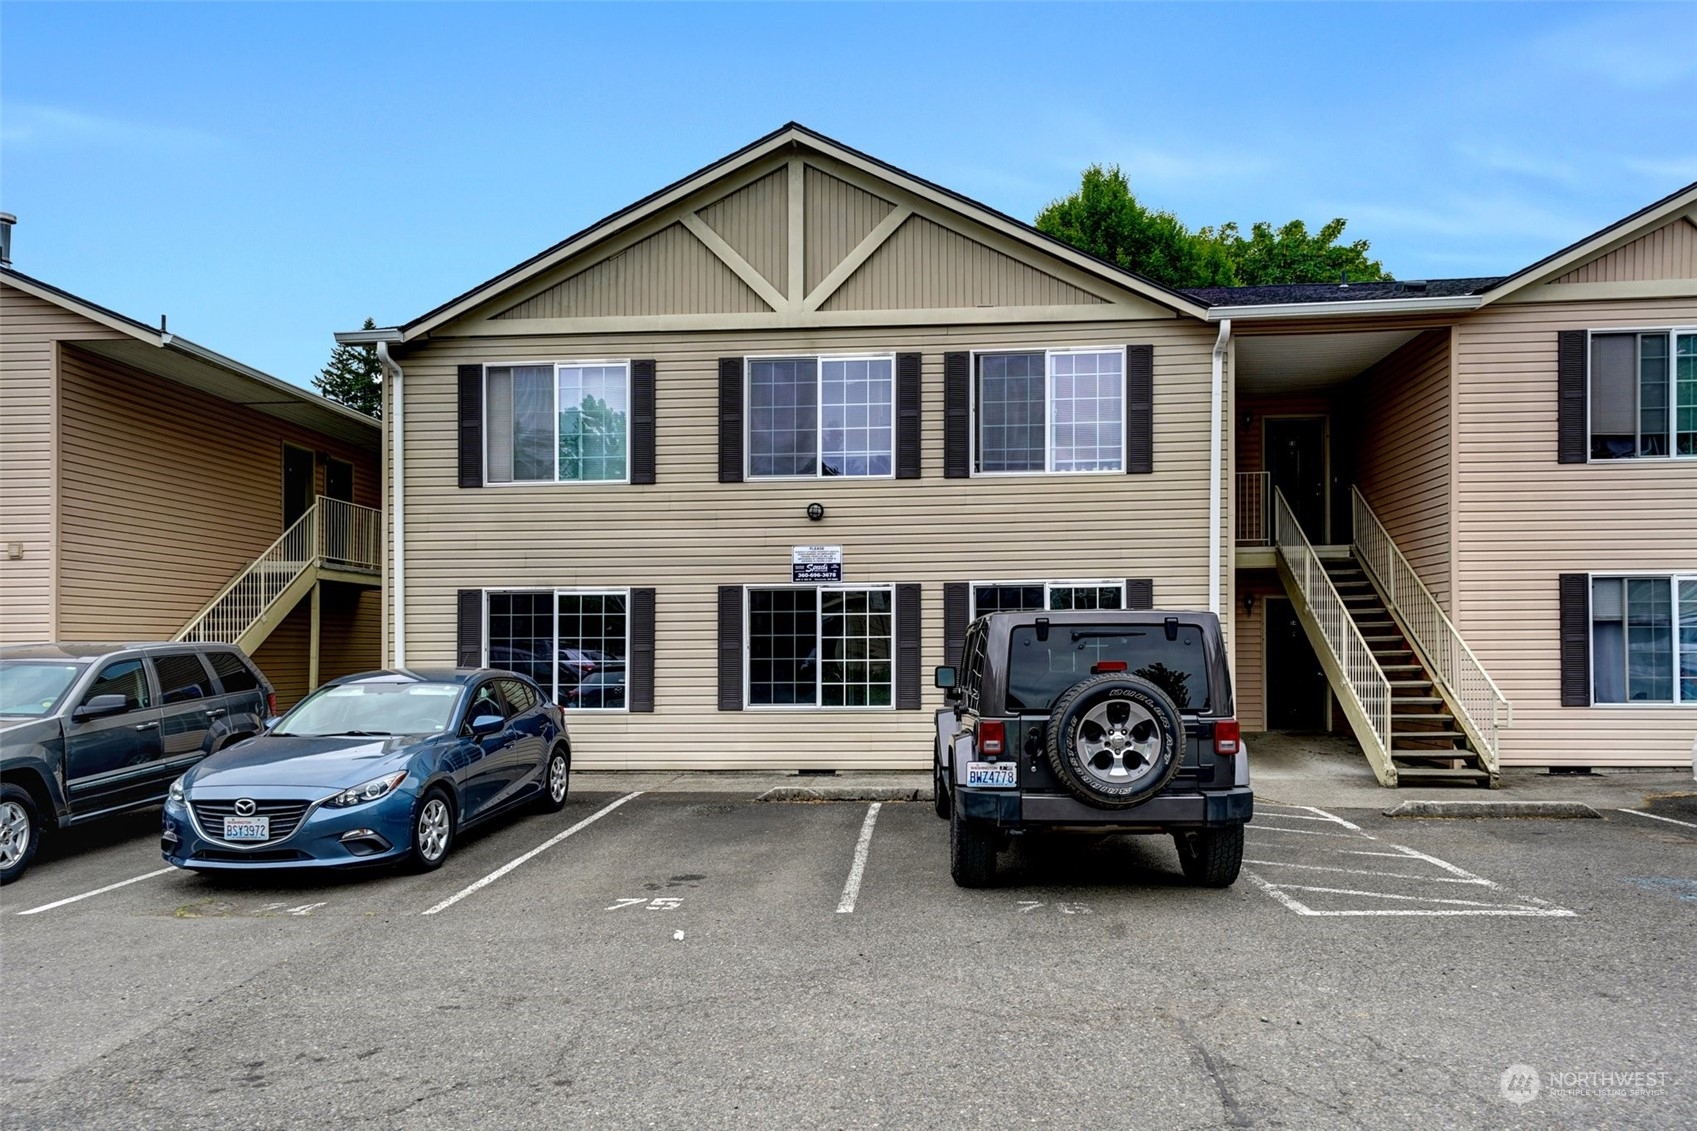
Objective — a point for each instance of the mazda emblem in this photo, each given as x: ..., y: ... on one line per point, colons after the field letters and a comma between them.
x: 245, y: 807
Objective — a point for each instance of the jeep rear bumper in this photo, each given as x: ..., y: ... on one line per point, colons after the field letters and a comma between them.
x: 1011, y: 809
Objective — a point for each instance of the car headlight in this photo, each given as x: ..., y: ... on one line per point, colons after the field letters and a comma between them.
x: 175, y: 793
x: 368, y: 791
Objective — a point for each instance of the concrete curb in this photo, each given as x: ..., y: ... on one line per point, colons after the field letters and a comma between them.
x: 1560, y: 809
x: 844, y: 793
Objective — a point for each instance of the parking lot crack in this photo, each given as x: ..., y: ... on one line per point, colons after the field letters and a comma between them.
x: 1215, y: 1069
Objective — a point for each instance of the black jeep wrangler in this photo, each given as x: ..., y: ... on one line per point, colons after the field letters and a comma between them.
x: 1101, y: 721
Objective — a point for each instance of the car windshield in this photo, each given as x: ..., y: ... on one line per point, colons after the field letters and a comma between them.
x: 1040, y: 670
x: 34, y: 687
x: 373, y: 709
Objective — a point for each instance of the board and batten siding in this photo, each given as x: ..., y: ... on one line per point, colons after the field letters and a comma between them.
x: 30, y: 330
x: 1522, y: 519
x: 687, y: 534
x: 165, y: 493
x: 1669, y: 252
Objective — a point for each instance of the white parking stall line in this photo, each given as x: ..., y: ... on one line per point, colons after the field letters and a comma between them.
x: 95, y: 892
x: 1365, y: 872
x: 537, y: 851
x: 1657, y: 817
x: 1444, y: 864
x: 1257, y: 827
x: 1322, y: 815
x: 1504, y: 911
x: 851, y: 890
x: 1389, y: 895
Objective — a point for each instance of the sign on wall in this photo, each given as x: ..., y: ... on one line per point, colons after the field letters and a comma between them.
x: 816, y: 563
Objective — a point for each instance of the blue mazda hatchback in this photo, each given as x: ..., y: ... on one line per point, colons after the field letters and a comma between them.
x: 384, y: 766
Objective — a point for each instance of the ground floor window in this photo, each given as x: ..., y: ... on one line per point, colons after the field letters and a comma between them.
x: 1034, y: 596
x: 821, y: 647
x: 1644, y: 639
x: 573, y: 643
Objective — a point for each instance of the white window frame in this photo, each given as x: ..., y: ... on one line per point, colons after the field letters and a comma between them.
x: 556, y: 366
x: 1048, y: 588
x: 819, y: 636
x: 1673, y: 578
x: 819, y: 360
x: 1048, y: 410
x: 1673, y: 333
x: 551, y: 691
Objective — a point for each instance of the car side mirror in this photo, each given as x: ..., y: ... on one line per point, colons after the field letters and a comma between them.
x: 945, y: 677
x: 486, y: 725
x: 272, y: 721
x: 100, y: 707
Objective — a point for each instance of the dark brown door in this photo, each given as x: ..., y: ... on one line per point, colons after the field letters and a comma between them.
x: 1296, y: 461
x: 1297, y: 695
x: 339, y: 480
x: 298, y: 483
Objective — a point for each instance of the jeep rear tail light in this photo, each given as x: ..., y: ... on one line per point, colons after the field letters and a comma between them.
x: 1226, y: 736
x: 992, y: 737
x: 1107, y: 666
x: 271, y: 704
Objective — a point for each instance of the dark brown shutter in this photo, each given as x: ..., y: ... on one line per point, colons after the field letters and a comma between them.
x: 957, y: 612
x: 639, y: 677
x: 730, y: 647
x: 1575, y: 640
x: 642, y: 423
x: 1139, y: 410
x: 957, y: 415
x: 908, y: 653
x: 1139, y: 592
x: 469, y: 652
x: 1572, y: 444
x: 471, y: 426
x: 730, y: 427
x: 908, y: 454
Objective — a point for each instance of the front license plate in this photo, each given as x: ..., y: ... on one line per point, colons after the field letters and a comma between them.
x: 991, y: 774
x: 247, y: 828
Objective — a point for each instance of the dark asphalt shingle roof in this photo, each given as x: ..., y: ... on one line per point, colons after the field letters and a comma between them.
x: 1333, y: 292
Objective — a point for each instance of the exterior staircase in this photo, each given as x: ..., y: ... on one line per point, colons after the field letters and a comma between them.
x: 1420, y: 703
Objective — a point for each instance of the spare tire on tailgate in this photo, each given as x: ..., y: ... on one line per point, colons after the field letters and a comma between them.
x: 1115, y: 740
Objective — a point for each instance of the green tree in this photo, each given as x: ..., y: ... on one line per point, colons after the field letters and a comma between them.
x: 352, y: 377
x: 1291, y: 255
x: 1105, y: 219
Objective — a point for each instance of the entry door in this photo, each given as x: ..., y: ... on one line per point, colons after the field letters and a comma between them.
x: 339, y: 480
x: 298, y: 483
x: 1296, y: 460
x: 1297, y: 695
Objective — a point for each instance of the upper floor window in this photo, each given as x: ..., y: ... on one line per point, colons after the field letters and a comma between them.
x: 567, y: 423
x: 1644, y: 639
x: 1032, y: 596
x: 1055, y: 410
x: 814, y: 416
x: 1643, y: 394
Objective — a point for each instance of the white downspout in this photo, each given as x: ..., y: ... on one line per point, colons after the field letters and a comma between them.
x: 1216, y: 440
x: 398, y: 505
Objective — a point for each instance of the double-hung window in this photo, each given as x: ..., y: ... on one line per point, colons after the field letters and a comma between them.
x: 1643, y: 394
x: 573, y: 643
x: 1050, y: 411
x: 1032, y: 596
x: 557, y: 423
x: 816, y: 416
x: 821, y: 647
x: 1644, y: 639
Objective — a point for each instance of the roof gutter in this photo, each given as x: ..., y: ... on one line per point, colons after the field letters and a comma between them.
x: 398, y: 503
x: 1216, y: 441
x: 1276, y: 310
x: 369, y: 337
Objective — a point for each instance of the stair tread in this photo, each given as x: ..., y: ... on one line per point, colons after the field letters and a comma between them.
x: 1470, y: 772
x: 1419, y: 717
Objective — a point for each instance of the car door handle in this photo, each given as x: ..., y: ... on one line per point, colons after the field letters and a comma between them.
x: 218, y: 713
x: 147, y: 726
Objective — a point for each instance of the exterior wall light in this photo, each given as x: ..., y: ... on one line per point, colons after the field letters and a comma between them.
x: 815, y: 512
x: 1249, y: 604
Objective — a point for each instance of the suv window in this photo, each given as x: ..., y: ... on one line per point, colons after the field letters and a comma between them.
x: 1040, y: 670
x: 182, y: 678
x: 234, y: 675
x: 973, y: 656
x: 124, y: 678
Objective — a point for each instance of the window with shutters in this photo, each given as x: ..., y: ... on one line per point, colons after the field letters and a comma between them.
x: 1031, y: 596
x: 1644, y: 639
x: 818, y: 416
x: 1642, y: 394
x: 821, y: 647
x: 575, y: 644
x: 551, y: 422
x: 1060, y: 410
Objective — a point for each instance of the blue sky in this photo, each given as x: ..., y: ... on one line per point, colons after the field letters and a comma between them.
x: 267, y: 174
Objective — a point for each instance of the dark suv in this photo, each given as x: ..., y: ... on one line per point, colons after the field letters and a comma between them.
x: 1101, y: 721
x: 89, y: 730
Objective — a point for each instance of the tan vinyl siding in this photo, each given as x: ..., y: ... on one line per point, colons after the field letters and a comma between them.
x: 755, y: 221
x: 925, y: 266
x: 670, y: 272
x: 838, y: 216
x: 285, y: 657
x: 350, y: 630
x: 1402, y: 460
x: 1522, y: 519
x: 1249, y: 666
x: 1669, y: 252
x: 165, y: 493
x: 688, y: 533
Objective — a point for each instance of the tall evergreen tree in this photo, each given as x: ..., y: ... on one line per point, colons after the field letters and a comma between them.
x: 352, y: 377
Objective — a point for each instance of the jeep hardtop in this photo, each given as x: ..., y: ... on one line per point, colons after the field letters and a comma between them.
x: 1101, y: 721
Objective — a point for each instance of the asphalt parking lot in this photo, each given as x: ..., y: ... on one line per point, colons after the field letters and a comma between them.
x: 711, y: 960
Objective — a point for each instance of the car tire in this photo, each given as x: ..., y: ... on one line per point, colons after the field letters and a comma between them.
x: 1100, y: 725
x: 432, y: 830
x: 20, y: 831
x: 940, y: 791
x: 1211, y: 857
x: 972, y: 852
x: 554, y: 790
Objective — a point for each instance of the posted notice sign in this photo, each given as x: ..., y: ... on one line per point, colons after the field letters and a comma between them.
x: 816, y: 563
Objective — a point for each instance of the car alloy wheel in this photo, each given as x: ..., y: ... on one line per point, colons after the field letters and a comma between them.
x: 557, y: 779
x: 435, y: 826
x: 17, y: 833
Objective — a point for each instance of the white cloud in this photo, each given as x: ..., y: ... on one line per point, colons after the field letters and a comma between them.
x: 1645, y: 49
x: 1521, y: 163
x: 33, y: 125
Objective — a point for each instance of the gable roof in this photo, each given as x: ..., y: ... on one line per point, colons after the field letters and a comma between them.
x: 790, y: 135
